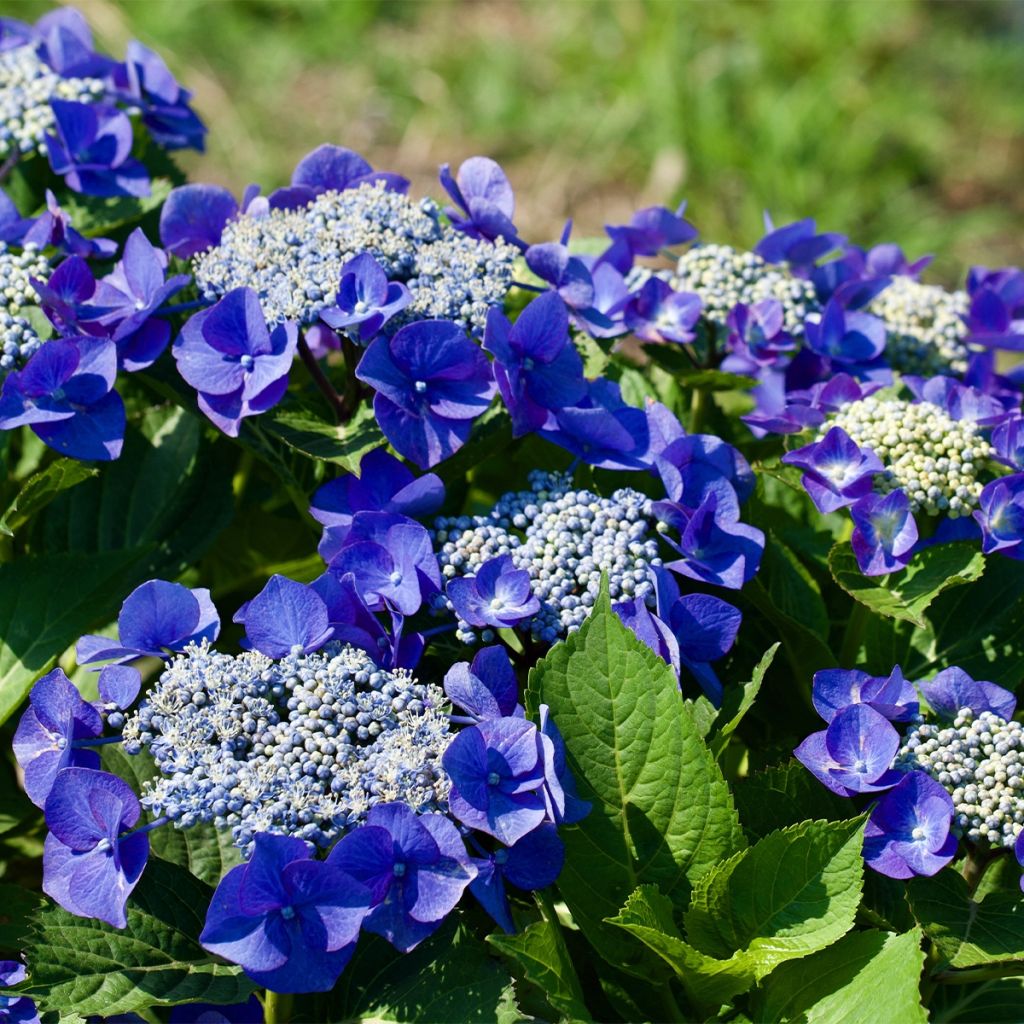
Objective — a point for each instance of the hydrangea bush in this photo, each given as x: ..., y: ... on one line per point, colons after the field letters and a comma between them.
x: 405, y: 619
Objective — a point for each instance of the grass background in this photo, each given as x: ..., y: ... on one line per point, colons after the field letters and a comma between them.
x: 887, y: 119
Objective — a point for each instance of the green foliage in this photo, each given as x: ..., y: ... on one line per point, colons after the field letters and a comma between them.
x: 662, y: 813
x: 793, y: 893
x: 90, y: 968
x: 968, y: 934
x: 866, y: 975
x: 907, y: 595
x: 40, y: 489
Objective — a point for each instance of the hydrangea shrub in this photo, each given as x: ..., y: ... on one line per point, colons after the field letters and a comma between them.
x: 405, y: 619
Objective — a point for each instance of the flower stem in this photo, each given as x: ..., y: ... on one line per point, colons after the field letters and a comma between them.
x: 277, y: 1007
x: 321, y: 381
x: 854, y: 634
x: 350, y: 353
x: 8, y: 165
x: 99, y: 742
x: 978, y: 860
x: 182, y: 307
x: 700, y: 406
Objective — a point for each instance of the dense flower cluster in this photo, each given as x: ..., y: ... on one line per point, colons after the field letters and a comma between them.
x: 955, y: 774
x: 27, y: 85
x: 301, y: 746
x: 18, y: 338
x: 908, y: 468
x: 301, y: 742
x: 59, y: 95
x: 565, y: 539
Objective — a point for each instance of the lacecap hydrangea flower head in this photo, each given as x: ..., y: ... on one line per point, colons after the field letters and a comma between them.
x: 360, y: 797
x: 935, y: 778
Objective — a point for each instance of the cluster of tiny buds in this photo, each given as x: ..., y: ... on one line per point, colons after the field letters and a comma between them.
x: 979, y: 760
x: 303, y: 746
x: 27, y: 85
x: 293, y: 258
x: 18, y: 340
x: 926, y: 453
x: 564, y: 538
x: 925, y: 327
x: 723, y: 276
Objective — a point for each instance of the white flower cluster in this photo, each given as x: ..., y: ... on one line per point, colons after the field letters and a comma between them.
x: 723, y: 276
x: 979, y: 760
x: 926, y: 453
x: 564, y: 538
x: 18, y: 339
x: 925, y: 327
x: 293, y: 258
x: 27, y: 84
x: 303, y: 746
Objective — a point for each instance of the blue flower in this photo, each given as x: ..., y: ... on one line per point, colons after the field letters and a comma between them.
x: 1001, y: 516
x: 657, y: 313
x: 331, y: 168
x: 908, y: 830
x: 285, y: 617
x: 563, y: 803
x: 854, y: 754
x: 536, y: 365
x: 92, y: 150
x: 845, y: 337
x: 884, y: 533
x: 891, y: 696
x: 485, y: 688
x: 757, y: 337
x: 290, y: 921
x: 649, y: 231
x: 354, y: 623
x: 693, y: 466
x: 837, y: 471
x: 15, y: 1009
x: 415, y: 866
x: 236, y: 364
x: 498, y: 777
x: 193, y: 218
x: 716, y: 547
x: 603, y: 430
x: 155, y: 617
x: 797, y: 244
x: 366, y: 300
x: 392, y: 560
x: 65, y: 394
x: 53, y: 228
x: 90, y: 864
x: 953, y: 689
x: 45, y: 741
x: 129, y: 297
x: 384, y: 484
x: 498, y: 595
x: 431, y: 383
x: 534, y: 862
x: 145, y: 81
x: 1008, y: 442
x: 484, y: 198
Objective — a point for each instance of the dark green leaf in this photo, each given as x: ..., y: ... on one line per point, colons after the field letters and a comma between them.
x: 736, y: 702
x: 785, y: 795
x: 966, y: 933
x: 344, y: 444
x: 41, y: 488
x: 662, y: 813
x: 907, y: 595
x: 542, y: 955
x: 89, y: 967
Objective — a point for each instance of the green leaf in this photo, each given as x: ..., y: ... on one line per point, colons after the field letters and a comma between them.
x: 151, y: 513
x: 46, y: 603
x: 785, y: 795
x: 737, y: 701
x: 662, y: 813
x: 448, y: 977
x: 907, y: 595
x: 544, y: 959
x: 17, y: 907
x: 869, y: 975
x: 794, y: 892
x: 994, y: 1002
x: 41, y: 488
x: 94, y: 215
x: 305, y: 431
x: 792, y: 589
x: 88, y: 967
x: 969, y: 934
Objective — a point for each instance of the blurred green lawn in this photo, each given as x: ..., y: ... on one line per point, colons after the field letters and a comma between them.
x: 886, y: 119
